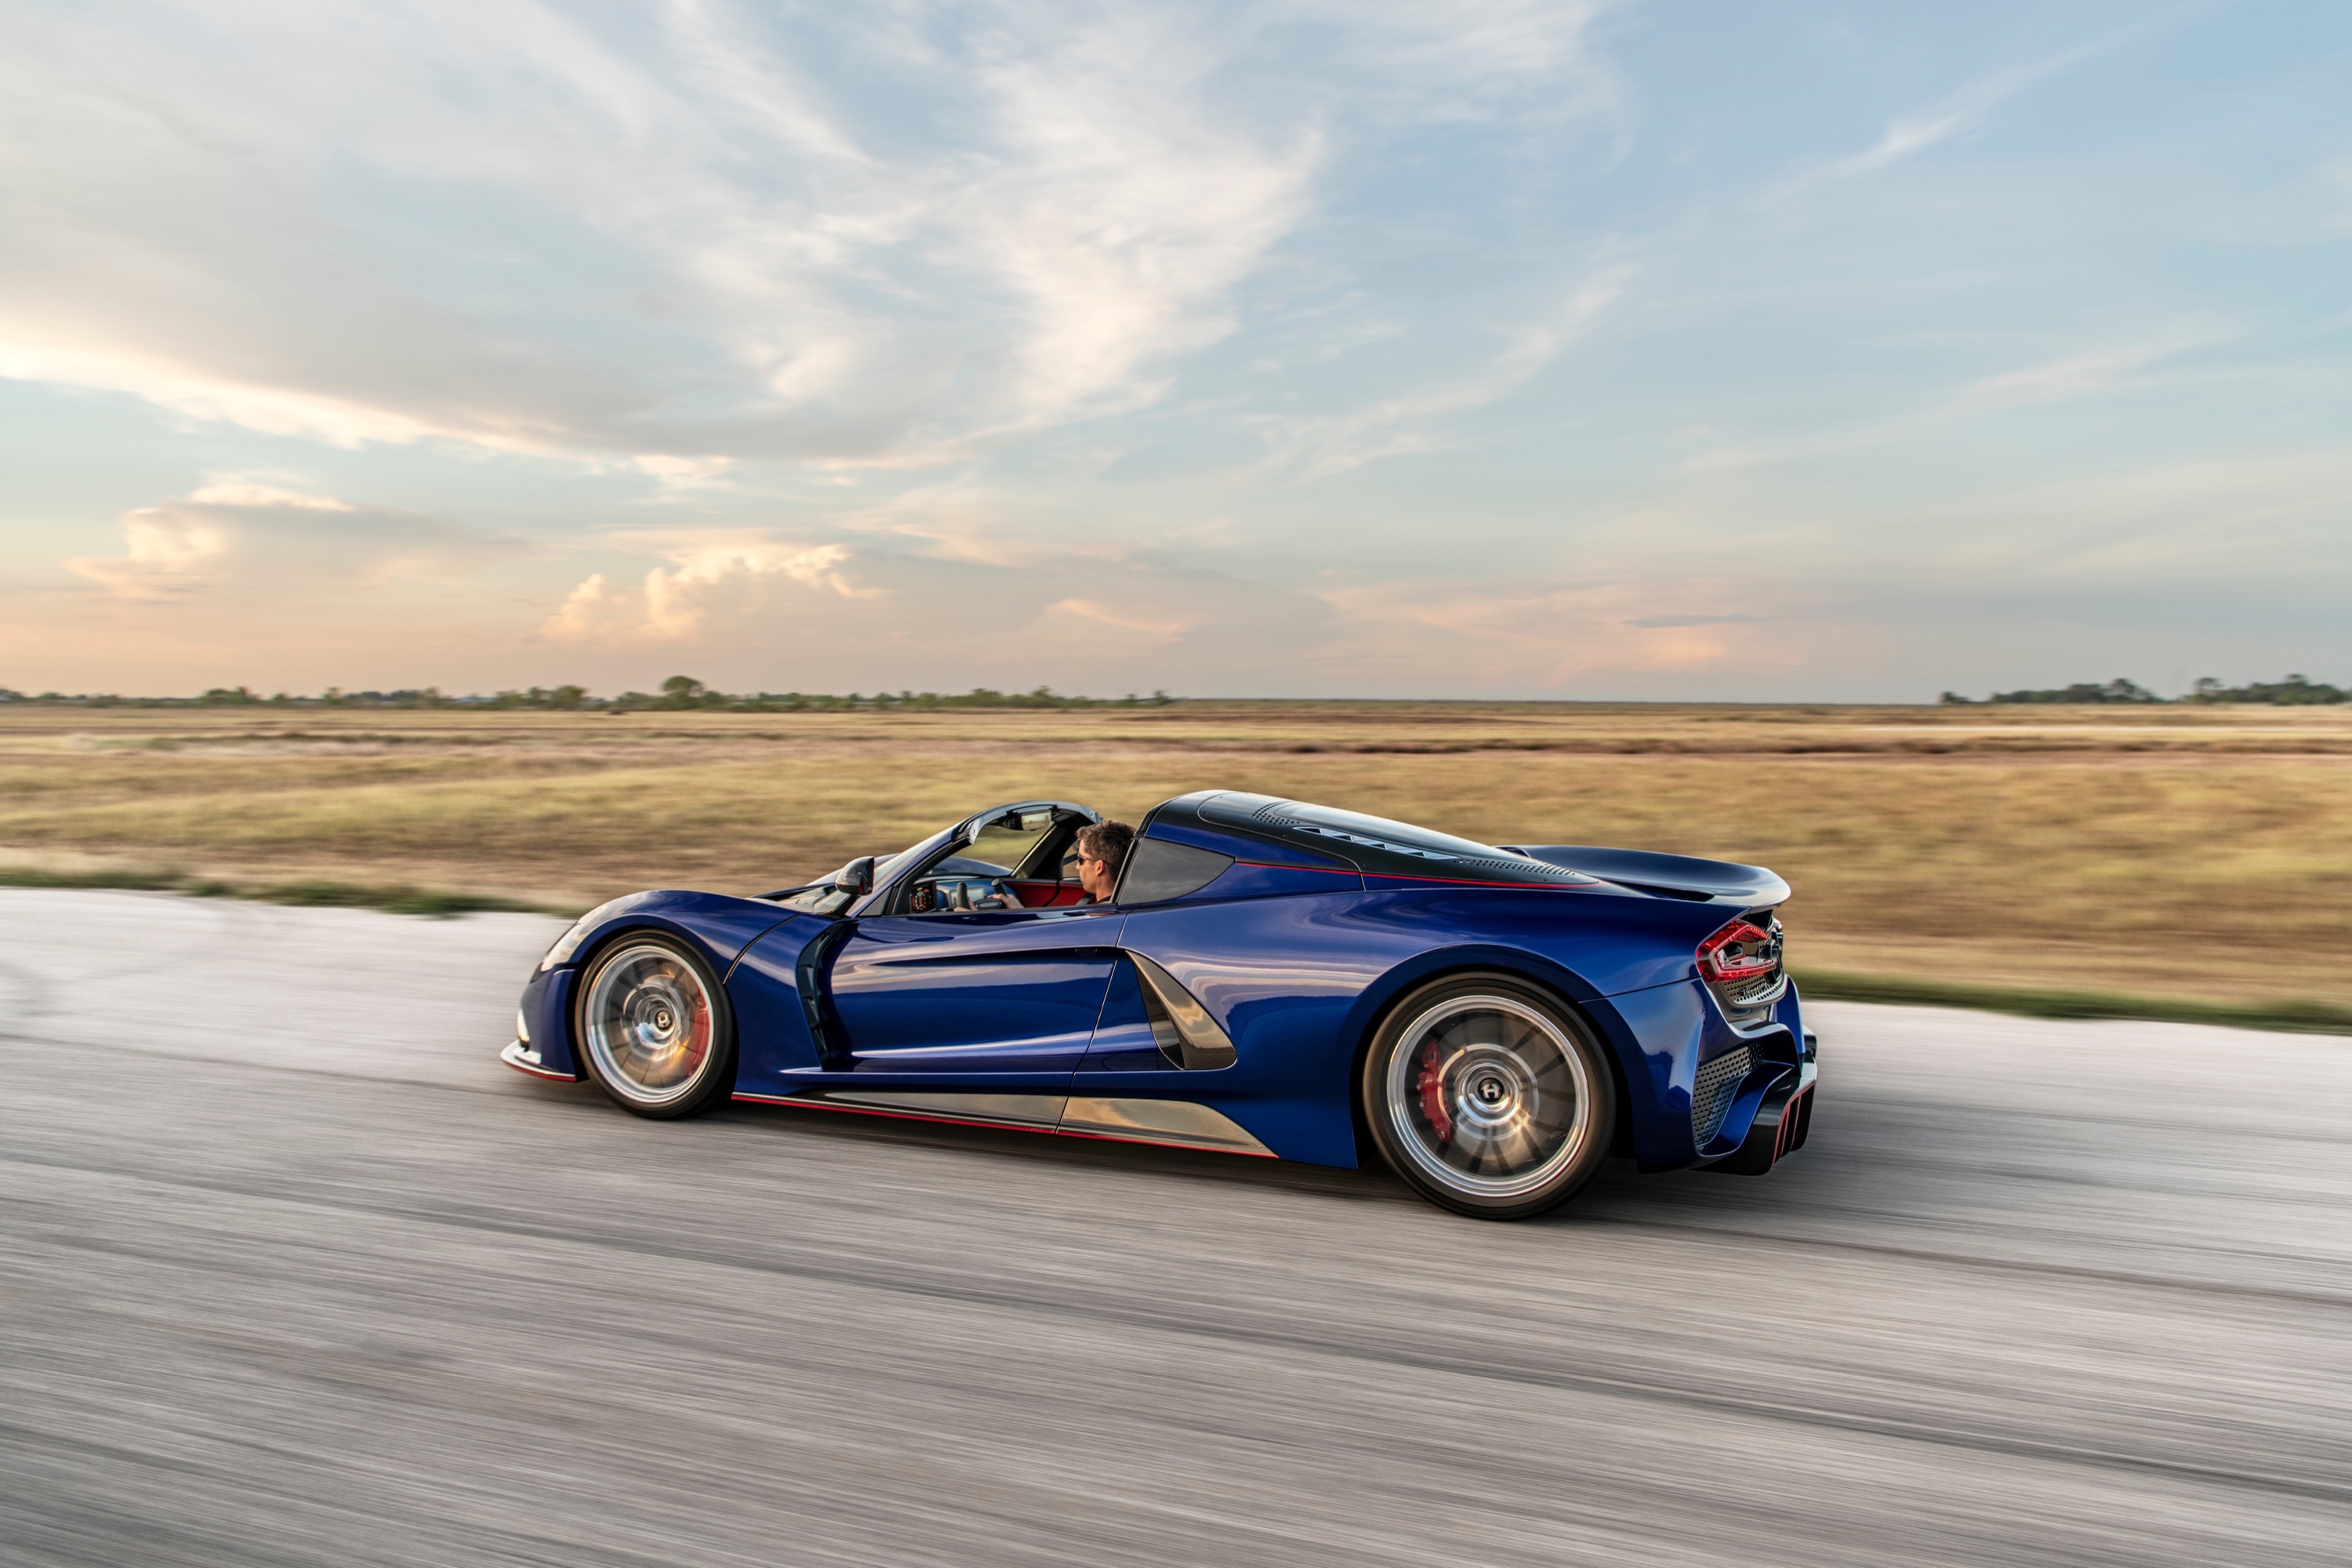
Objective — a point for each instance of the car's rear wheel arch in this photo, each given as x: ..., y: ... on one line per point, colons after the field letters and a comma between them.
x: 1401, y: 985
x: 1495, y: 1095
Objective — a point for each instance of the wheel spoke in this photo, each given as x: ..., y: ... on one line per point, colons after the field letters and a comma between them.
x: 1488, y: 1095
x: 649, y: 1024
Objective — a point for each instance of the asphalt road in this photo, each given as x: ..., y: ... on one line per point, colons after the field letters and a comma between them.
x: 293, y: 1271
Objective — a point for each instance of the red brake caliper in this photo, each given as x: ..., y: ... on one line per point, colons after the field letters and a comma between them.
x: 1432, y: 1085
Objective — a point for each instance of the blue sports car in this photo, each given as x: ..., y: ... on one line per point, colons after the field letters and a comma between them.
x: 1266, y: 977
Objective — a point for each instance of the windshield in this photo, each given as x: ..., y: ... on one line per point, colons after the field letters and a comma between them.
x: 1008, y: 841
x: 884, y: 869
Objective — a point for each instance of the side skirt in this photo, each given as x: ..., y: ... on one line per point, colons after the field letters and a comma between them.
x: 1169, y: 1123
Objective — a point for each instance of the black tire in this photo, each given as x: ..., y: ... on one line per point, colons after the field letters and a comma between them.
x: 653, y: 1027
x: 1488, y: 1097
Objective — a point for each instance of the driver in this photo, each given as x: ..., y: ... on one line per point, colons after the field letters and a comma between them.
x: 1102, y: 850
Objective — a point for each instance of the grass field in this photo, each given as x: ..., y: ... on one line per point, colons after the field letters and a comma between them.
x: 2165, y: 860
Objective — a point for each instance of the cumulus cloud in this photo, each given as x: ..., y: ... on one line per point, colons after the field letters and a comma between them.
x: 1106, y: 621
x: 234, y: 536
x: 1092, y: 620
x: 725, y: 576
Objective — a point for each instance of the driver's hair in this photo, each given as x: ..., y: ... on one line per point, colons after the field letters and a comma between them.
x: 1107, y: 842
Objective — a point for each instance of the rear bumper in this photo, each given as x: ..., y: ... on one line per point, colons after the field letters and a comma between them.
x: 1780, y: 1128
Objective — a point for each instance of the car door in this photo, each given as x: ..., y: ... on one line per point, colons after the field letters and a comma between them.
x: 995, y: 999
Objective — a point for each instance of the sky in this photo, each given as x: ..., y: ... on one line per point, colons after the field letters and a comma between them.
x: 1492, y: 349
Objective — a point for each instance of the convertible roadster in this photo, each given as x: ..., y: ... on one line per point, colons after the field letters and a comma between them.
x: 1267, y: 978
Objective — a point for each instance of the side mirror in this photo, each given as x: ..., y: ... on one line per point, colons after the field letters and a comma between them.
x: 856, y: 878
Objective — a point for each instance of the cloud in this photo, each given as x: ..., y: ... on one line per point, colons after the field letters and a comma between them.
x: 1108, y: 621
x: 680, y: 476
x: 1324, y: 445
x: 697, y: 234
x: 1095, y: 621
x: 1467, y: 60
x: 1958, y: 115
x: 1549, y: 631
x: 239, y: 538
x: 1120, y: 616
x: 733, y: 575
x: 2083, y: 374
x: 247, y: 490
x: 674, y: 237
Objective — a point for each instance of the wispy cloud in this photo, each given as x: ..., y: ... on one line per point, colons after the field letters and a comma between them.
x: 1325, y: 444
x: 2115, y: 367
x: 682, y: 239
x: 1549, y: 630
x: 1960, y: 114
x: 2082, y: 375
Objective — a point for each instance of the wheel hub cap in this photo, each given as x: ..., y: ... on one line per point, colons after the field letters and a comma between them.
x: 1488, y: 1095
x: 647, y: 1022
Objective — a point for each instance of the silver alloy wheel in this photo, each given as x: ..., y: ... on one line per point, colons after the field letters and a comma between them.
x: 649, y: 1024
x: 1488, y: 1096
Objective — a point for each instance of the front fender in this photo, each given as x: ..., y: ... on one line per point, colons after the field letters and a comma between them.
x: 717, y: 927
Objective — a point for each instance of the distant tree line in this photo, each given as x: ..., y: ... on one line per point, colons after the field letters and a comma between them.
x: 679, y: 694
x: 2294, y: 690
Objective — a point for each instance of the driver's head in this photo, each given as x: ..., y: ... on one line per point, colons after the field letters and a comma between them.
x: 1102, y: 849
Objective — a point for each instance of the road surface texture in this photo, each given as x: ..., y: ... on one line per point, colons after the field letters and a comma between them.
x: 293, y: 1271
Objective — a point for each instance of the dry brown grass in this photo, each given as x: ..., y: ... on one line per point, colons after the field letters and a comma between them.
x: 2186, y: 852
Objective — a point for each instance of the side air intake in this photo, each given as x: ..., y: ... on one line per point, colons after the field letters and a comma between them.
x: 1186, y: 1035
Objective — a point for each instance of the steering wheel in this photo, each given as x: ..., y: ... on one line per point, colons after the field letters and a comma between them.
x: 952, y: 895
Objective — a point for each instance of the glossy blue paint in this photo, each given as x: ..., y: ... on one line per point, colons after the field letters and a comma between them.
x: 718, y: 925
x: 1252, y: 880
x: 772, y: 1017
x: 979, y: 992
x: 1123, y: 1040
x: 1673, y: 1027
x: 1294, y: 951
x: 547, y: 1007
x: 1299, y: 983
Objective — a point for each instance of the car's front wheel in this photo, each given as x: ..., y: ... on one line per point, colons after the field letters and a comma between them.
x: 653, y: 1026
x: 1488, y: 1097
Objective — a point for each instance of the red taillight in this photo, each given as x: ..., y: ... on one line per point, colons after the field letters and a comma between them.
x: 1740, y: 950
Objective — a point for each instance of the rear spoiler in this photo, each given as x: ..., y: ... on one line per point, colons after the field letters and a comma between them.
x: 1684, y: 877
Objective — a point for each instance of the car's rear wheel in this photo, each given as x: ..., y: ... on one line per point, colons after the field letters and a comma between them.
x: 653, y: 1026
x: 1488, y: 1097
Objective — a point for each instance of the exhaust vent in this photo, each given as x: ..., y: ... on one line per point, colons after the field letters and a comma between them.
x: 1711, y: 1093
